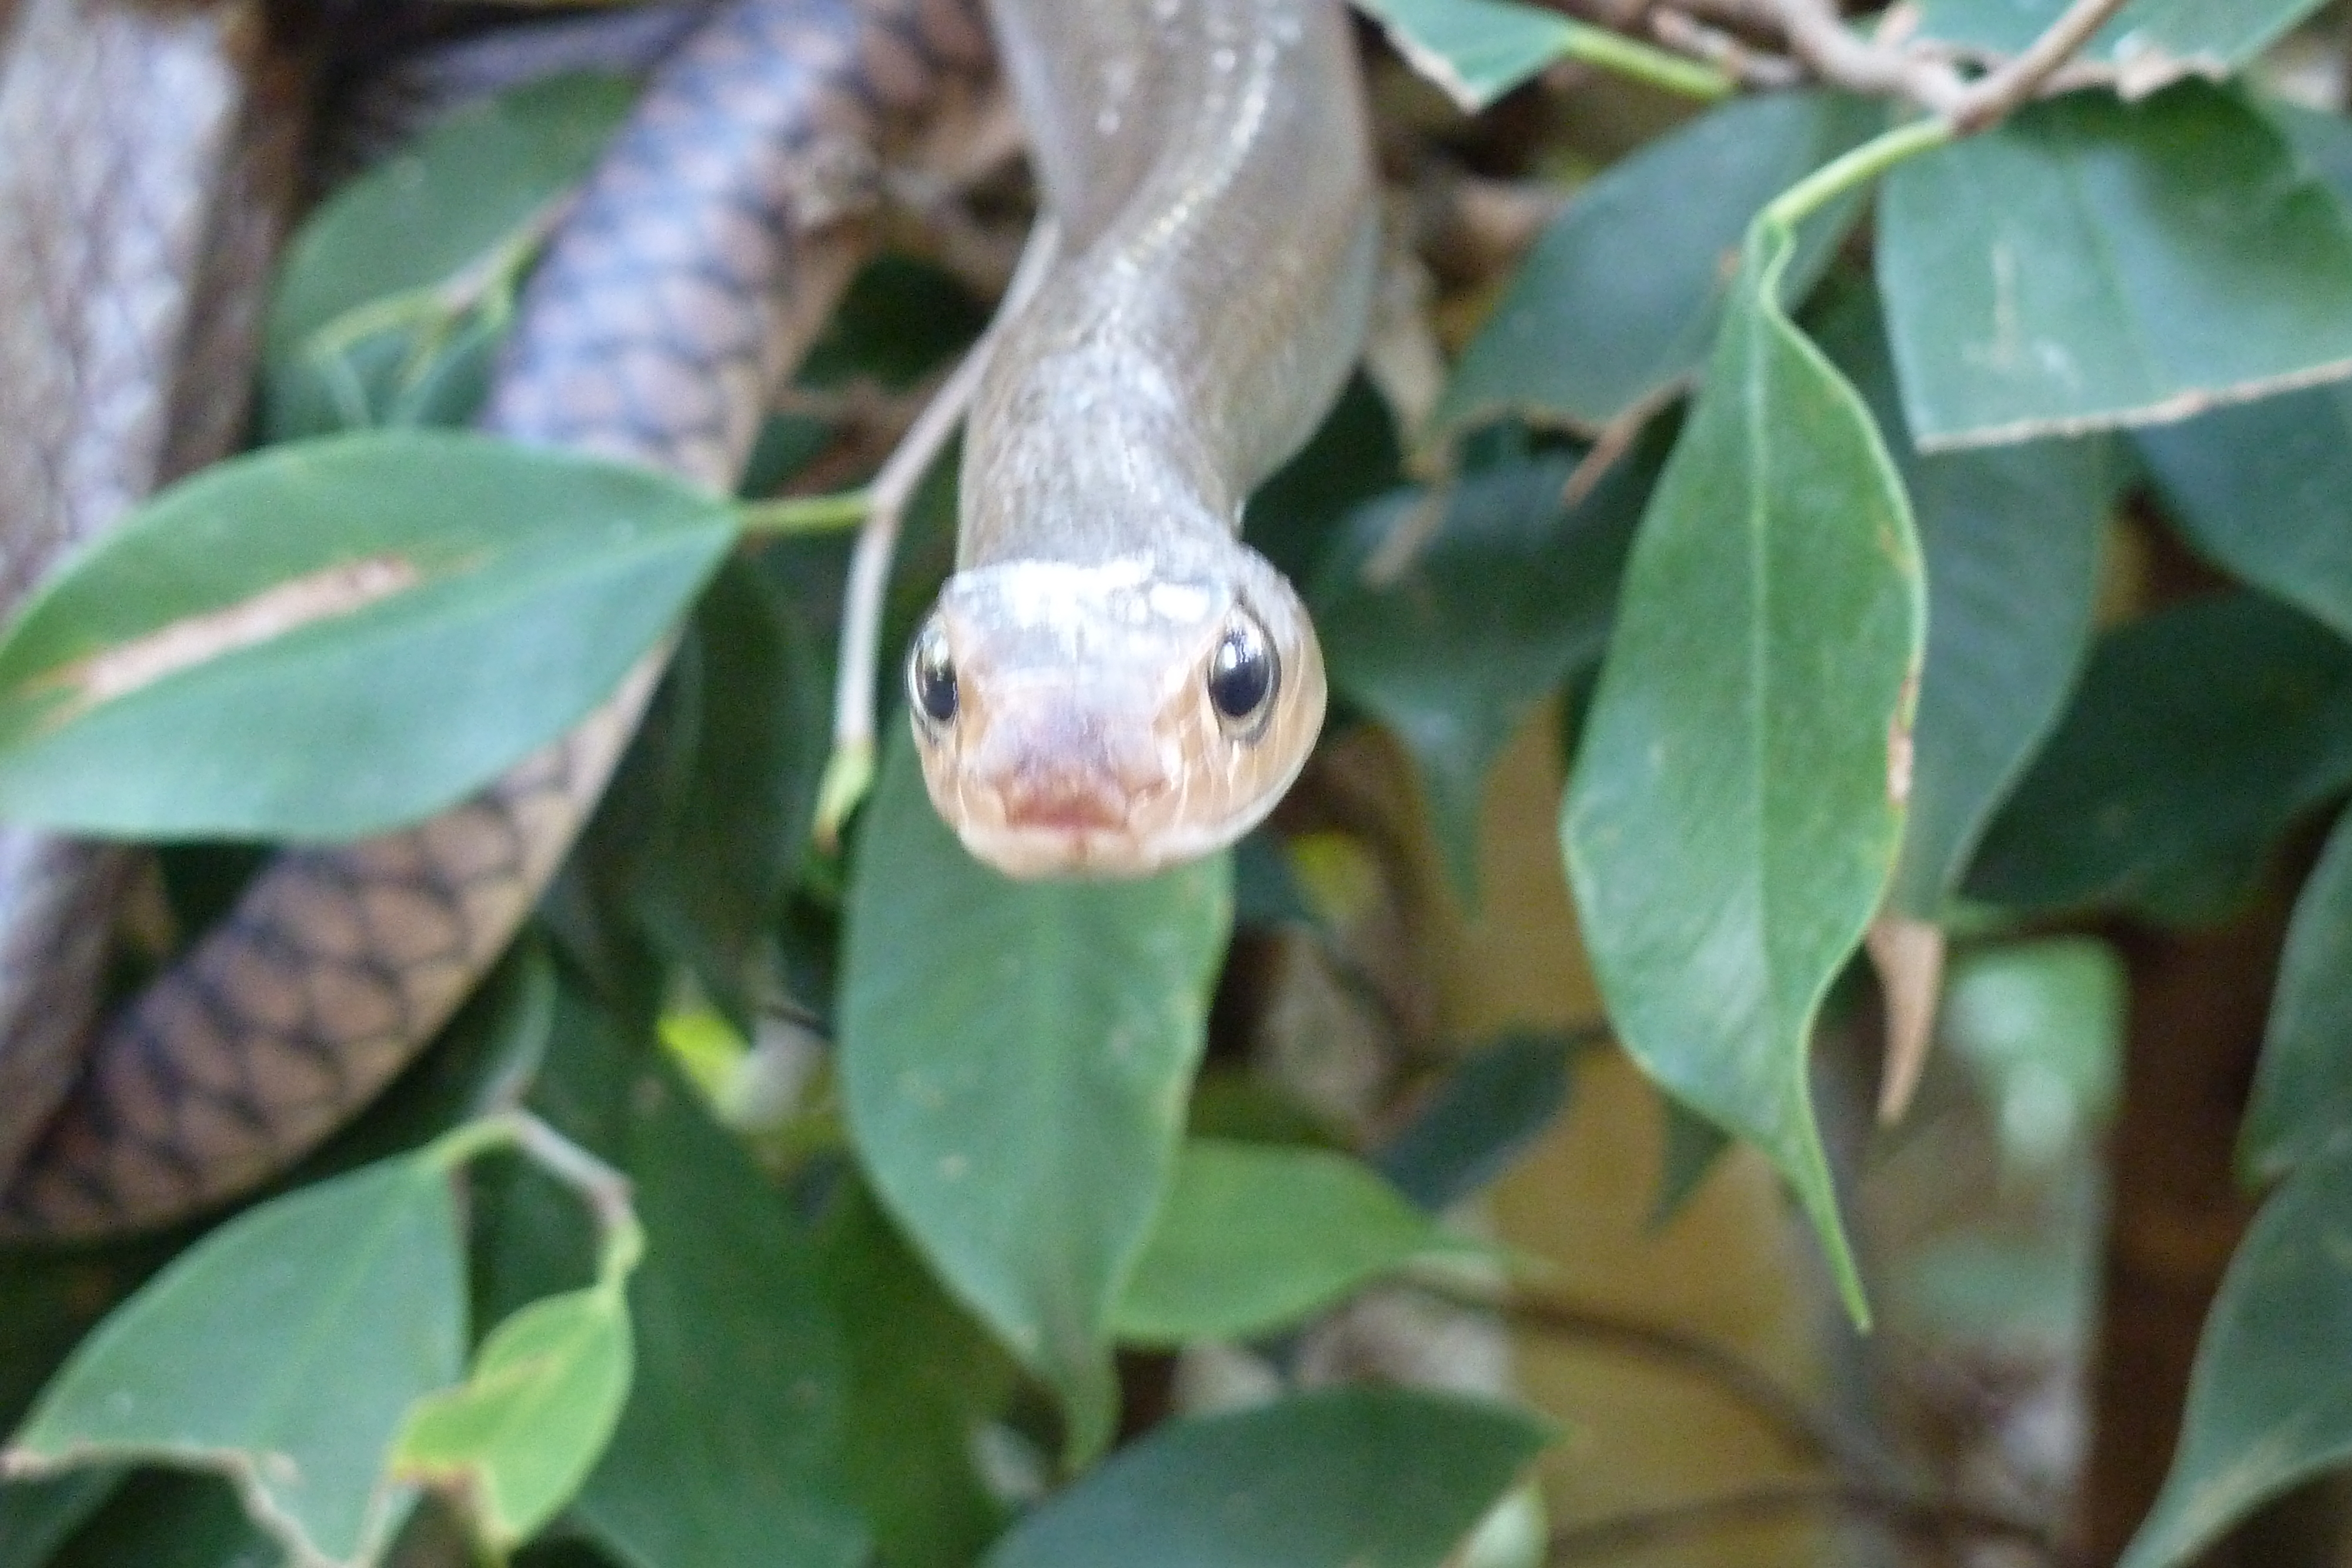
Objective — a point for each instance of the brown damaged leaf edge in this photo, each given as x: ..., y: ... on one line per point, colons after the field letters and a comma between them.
x: 329, y: 594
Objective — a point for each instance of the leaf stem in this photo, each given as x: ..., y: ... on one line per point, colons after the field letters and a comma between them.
x: 1659, y: 68
x: 805, y: 514
x: 604, y: 1190
x: 1853, y: 169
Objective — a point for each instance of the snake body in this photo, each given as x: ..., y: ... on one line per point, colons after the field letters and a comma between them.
x: 1112, y: 682
x: 691, y: 272
x: 1207, y: 163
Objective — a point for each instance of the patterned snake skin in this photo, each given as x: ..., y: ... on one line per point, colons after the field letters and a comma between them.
x: 698, y: 262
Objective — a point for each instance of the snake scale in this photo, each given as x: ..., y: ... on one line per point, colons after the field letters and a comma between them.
x: 1207, y: 304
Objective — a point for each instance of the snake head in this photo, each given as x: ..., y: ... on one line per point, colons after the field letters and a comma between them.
x: 1107, y: 720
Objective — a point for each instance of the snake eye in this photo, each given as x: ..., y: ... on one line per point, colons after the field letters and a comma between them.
x: 931, y: 677
x: 1243, y: 674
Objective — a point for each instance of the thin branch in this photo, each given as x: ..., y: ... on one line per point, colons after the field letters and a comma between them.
x: 1920, y: 1517
x: 1750, y: 67
x: 1800, y: 1428
x: 1818, y: 36
x: 1996, y: 94
x: 851, y: 767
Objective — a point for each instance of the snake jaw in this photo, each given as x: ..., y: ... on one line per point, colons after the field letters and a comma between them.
x: 1086, y: 742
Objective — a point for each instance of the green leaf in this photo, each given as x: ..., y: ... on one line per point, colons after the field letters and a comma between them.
x: 1480, y: 1117
x: 1737, y: 802
x: 515, y: 1439
x: 1511, y: 594
x: 1347, y: 1477
x: 335, y: 638
x: 2090, y: 264
x: 1616, y: 307
x: 1255, y: 1238
x: 2321, y: 141
x: 1691, y: 1148
x: 2199, y: 732
x: 2155, y: 41
x: 283, y: 1352
x: 727, y: 768
x: 391, y: 298
x: 2302, y: 1103
x: 1477, y: 51
x: 1014, y: 1063
x: 2010, y: 538
x: 924, y: 1381
x: 2262, y: 491
x: 2269, y: 1402
x: 726, y: 1455
x: 1295, y: 519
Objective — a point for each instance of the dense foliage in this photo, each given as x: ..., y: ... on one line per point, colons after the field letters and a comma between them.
x: 1788, y: 456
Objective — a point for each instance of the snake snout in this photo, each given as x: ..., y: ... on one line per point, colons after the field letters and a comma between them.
x: 1067, y: 774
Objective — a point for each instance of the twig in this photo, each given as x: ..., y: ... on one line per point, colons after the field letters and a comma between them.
x: 1838, y: 55
x: 1929, y: 1518
x: 1842, y: 58
x: 851, y: 768
x: 1799, y: 1427
x: 1995, y: 94
x: 1748, y: 66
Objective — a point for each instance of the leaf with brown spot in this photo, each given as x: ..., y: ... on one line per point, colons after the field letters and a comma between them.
x: 334, y: 638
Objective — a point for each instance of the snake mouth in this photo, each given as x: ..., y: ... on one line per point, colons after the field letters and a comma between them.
x: 1029, y: 850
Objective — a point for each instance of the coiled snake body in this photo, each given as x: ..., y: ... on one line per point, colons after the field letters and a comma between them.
x: 1199, y: 327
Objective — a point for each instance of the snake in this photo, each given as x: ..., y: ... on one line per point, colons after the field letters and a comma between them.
x: 1109, y: 681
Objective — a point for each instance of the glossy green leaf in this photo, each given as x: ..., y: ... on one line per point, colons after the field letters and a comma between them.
x: 2155, y: 41
x: 2264, y: 491
x: 282, y: 1351
x: 1692, y: 1147
x: 729, y: 763
x: 1345, y: 1478
x: 1616, y: 307
x: 1477, y: 51
x: 2269, y: 1402
x: 2302, y: 1103
x: 1258, y: 1236
x: 2200, y: 731
x: 393, y: 297
x: 2011, y: 542
x: 1511, y: 594
x: 2090, y: 264
x: 1015, y: 1062
x: 1295, y: 519
x: 514, y: 1441
x: 728, y: 1452
x: 1736, y: 805
x: 334, y: 638
x: 925, y: 1379
x: 1480, y: 1117
x: 2321, y: 141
